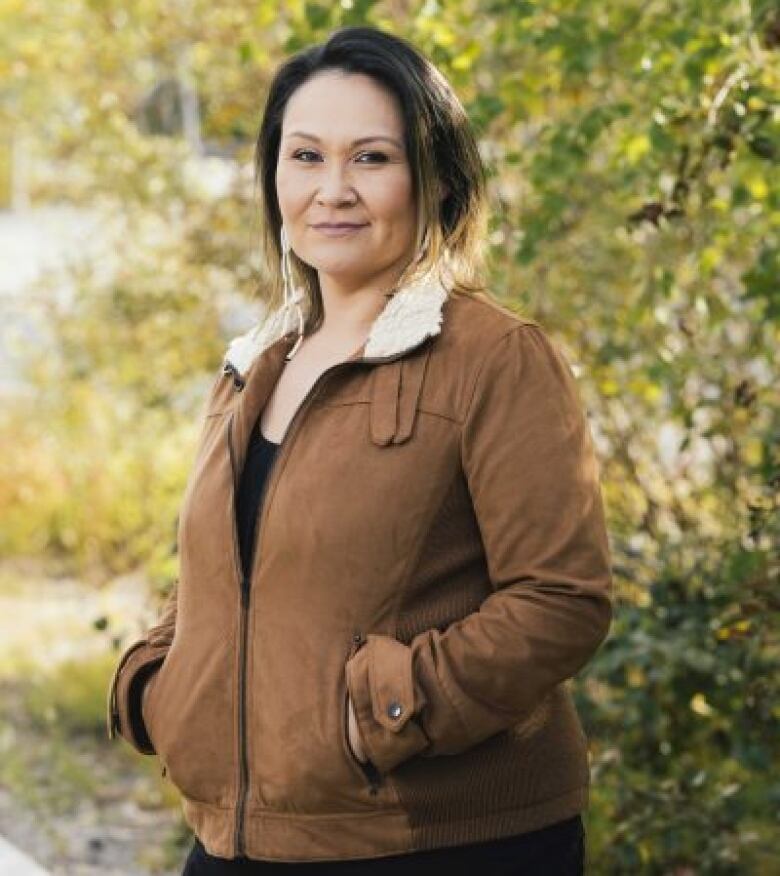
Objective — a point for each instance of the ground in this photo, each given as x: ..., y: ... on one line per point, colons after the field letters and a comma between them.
x: 70, y: 798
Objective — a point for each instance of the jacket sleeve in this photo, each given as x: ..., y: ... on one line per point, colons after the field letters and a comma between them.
x: 533, y: 476
x: 136, y: 665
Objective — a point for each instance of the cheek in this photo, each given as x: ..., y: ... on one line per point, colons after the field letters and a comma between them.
x: 393, y: 198
x: 288, y: 190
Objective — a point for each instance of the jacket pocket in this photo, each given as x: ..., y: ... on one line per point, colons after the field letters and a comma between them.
x: 367, y: 771
x: 189, y: 716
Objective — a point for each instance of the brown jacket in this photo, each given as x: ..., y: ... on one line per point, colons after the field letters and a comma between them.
x: 432, y: 541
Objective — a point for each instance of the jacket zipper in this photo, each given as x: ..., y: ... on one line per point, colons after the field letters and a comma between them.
x: 244, y: 592
x: 245, y: 580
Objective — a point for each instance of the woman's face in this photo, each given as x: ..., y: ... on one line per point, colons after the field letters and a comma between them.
x: 324, y: 175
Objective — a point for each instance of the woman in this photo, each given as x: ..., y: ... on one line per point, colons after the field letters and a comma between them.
x: 393, y: 554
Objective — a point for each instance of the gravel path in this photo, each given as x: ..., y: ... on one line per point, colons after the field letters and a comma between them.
x: 78, y: 804
x: 91, y: 840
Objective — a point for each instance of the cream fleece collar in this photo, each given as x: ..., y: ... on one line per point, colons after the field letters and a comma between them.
x: 411, y: 314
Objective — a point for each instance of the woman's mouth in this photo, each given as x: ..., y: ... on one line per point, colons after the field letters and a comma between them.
x: 338, y: 230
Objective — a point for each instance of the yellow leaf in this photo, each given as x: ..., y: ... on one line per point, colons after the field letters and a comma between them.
x: 757, y: 186
x: 608, y: 386
x: 710, y: 257
x: 752, y: 451
x: 465, y: 60
x: 636, y: 147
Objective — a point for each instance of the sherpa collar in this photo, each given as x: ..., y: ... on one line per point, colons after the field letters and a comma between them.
x: 410, y: 315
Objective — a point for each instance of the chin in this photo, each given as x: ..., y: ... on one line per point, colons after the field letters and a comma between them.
x: 361, y: 264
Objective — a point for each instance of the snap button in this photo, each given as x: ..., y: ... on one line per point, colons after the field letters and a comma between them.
x: 394, y: 709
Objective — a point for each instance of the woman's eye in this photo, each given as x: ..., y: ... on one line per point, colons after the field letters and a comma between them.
x: 379, y: 155
x: 301, y: 152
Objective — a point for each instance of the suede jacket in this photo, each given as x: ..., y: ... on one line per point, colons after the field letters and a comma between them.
x: 431, y: 542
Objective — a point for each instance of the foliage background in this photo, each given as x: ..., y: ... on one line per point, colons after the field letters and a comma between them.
x: 633, y: 152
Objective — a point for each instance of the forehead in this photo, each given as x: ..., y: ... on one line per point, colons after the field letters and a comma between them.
x: 339, y: 107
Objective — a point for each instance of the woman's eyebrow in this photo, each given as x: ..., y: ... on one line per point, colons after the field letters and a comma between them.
x: 353, y: 143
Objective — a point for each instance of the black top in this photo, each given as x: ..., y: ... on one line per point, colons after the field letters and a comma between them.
x: 259, y: 459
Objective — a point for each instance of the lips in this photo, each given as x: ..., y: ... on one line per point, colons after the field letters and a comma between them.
x: 340, y: 230
x: 337, y: 225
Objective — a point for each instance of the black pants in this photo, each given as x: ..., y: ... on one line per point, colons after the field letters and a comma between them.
x: 555, y: 850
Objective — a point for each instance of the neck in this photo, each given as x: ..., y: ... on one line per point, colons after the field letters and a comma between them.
x: 350, y: 307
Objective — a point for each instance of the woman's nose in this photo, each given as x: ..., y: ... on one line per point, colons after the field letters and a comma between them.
x: 335, y: 187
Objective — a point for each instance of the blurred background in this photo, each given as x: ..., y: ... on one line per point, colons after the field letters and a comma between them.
x: 634, y: 158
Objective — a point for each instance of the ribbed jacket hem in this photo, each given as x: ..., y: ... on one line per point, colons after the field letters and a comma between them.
x: 299, y: 837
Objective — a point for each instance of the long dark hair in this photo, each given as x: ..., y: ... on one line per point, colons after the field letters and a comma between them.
x: 440, y: 144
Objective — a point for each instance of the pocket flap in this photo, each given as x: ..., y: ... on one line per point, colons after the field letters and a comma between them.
x: 392, y: 684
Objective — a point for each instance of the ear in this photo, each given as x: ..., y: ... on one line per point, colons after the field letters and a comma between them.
x: 443, y: 191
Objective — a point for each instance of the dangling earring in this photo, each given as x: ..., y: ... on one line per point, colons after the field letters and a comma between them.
x: 292, y: 295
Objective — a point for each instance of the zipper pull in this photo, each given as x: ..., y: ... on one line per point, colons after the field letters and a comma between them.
x: 373, y: 775
x: 374, y: 790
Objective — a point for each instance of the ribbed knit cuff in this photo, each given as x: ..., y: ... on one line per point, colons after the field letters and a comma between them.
x: 125, y: 715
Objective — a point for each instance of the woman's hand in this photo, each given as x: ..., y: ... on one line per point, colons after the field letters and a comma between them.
x: 353, y: 732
